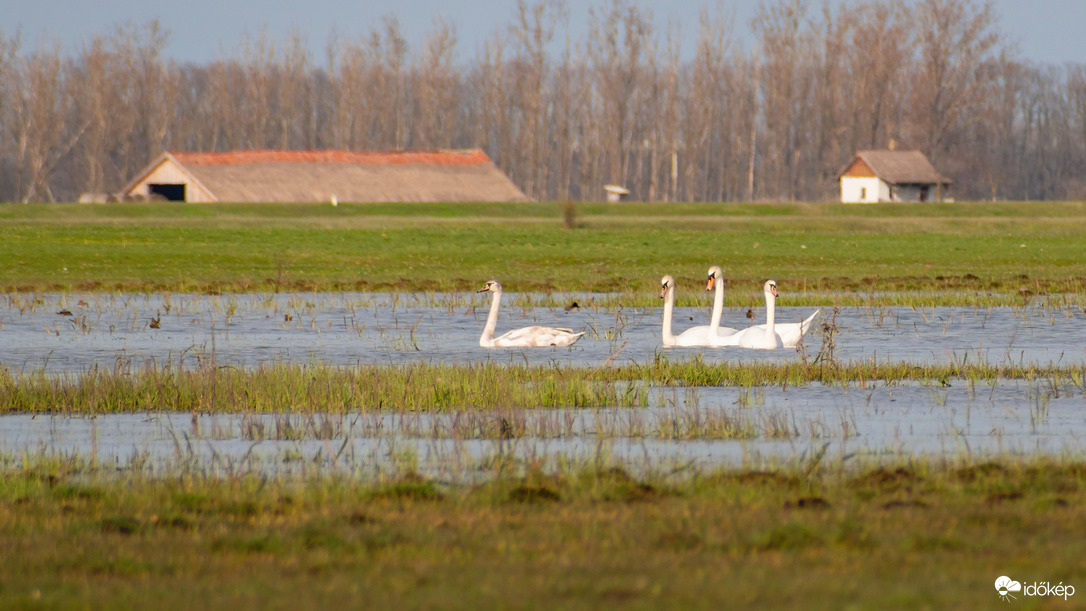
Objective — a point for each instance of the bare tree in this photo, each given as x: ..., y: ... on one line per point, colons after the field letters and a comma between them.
x: 878, y: 55
x: 434, y: 89
x: 534, y: 28
x: 949, y: 84
x: 292, y: 85
x: 784, y: 45
x: 43, y: 122
x: 621, y: 44
x: 386, y: 91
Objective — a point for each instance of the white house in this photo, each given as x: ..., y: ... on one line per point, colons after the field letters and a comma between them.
x: 892, y: 176
x: 615, y: 193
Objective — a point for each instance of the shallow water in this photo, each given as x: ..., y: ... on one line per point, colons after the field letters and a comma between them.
x: 838, y: 423
x: 781, y: 425
x: 350, y: 328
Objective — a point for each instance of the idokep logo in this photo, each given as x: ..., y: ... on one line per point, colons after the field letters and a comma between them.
x: 1005, y: 587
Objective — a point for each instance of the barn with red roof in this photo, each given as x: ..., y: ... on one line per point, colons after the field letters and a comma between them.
x: 323, y: 176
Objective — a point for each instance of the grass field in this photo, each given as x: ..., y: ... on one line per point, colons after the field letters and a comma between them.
x: 971, y: 250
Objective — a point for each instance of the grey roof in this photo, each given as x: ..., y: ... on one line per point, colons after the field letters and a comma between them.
x: 901, y: 167
x: 286, y: 182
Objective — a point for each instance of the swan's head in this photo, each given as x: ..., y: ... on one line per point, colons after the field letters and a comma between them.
x: 492, y: 286
x: 715, y: 275
x: 770, y: 287
x: 666, y: 284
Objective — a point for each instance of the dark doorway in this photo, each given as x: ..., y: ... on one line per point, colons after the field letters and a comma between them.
x: 171, y: 193
x: 923, y: 194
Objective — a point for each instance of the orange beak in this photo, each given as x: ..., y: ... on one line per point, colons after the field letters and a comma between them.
x: 709, y: 285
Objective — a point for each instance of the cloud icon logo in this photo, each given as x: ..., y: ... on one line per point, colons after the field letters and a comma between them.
x: 1005, y: 585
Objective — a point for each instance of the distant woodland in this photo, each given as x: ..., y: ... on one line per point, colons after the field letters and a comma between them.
x: 563, y: 116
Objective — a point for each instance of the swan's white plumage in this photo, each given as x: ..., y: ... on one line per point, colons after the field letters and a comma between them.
x: 695, y: 336
x: 525, y: 337
x: 789, y: 333
x: 758, y: 337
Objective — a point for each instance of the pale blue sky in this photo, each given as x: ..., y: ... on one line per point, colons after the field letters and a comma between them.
x: 1047, y: 31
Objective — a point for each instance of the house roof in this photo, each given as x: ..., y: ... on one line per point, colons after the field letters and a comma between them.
x: 446, y: 157
x: 301, y: 176
x: 899, y: 167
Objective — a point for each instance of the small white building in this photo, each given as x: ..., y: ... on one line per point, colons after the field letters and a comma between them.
x: 892, y: 176
x: 616, y: 193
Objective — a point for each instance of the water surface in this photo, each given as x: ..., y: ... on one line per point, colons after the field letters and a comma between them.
x: 343, y: 329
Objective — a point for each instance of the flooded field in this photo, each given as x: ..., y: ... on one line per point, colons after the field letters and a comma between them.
x: 685, y: 428
x: 681, y: 428
x: 73, y: 333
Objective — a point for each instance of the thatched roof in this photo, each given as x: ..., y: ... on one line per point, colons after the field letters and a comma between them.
x: 308, y: 176
x: 896, y: 168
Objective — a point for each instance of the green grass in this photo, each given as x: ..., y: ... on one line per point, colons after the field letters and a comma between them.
x: 905, y: 535
x: 974, y: 251
x: 424, y: 387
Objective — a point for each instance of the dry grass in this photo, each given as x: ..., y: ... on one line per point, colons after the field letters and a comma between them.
x: 903, y: 535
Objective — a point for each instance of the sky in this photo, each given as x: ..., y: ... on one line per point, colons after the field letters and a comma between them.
x: 1046, y: 31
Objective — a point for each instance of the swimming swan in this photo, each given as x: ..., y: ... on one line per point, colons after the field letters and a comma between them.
x: 524, y: 337
x: 695, y: 336
x: 716, y: 281
x: 758, y: 337
x: 789, y: 332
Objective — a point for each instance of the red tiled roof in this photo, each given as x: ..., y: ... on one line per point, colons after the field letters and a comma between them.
x: 466, y: 157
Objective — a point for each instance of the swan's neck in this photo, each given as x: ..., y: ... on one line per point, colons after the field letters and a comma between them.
x: 718, y: 307
x: 770, y: 310
x: 669, y: 305
x: 491, y: 320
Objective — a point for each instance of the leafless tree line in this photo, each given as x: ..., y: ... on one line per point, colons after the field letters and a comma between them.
x: 565, y: 116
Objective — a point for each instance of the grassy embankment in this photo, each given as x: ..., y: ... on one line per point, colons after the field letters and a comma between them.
x: 965, y: 252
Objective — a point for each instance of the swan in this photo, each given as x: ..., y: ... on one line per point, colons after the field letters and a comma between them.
x: 525, y: 336
x: 716, y: 281
x: 790, y: 332
x: 695, y: 336
x: 759, y: 337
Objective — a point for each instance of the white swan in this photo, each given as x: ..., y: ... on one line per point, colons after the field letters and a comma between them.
x: 759, y: 337
x: 789, y: 332
x: 695, y: 336
x: 525, y: 336
x: 716, y: 281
